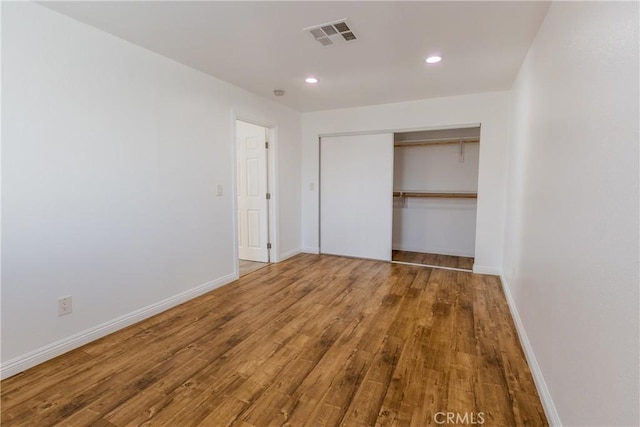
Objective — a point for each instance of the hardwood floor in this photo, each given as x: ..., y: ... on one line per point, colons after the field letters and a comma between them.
x: 315, y: 340
x: 247, y: 267
x: 438, y: 260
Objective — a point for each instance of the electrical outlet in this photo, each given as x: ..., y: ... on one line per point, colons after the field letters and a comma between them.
x: 219, y: 190
x: 64, y: 306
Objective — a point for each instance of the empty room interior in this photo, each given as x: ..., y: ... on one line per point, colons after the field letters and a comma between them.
x: 317, y: 213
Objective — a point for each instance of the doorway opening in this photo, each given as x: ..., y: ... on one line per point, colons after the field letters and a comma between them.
x: 435, y: 190
x: 253, y: 196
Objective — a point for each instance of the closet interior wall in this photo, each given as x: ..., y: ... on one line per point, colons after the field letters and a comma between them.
x: 426, y: 165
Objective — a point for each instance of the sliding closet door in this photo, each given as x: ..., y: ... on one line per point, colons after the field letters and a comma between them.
x: 356, y: 195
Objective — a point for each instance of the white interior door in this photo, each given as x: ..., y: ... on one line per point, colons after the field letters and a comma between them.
x: 356, y: 195
x: 253, y: 233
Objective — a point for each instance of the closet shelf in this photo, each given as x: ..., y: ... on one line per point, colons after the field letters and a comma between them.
x: 427, y: 142
x: 441, y: 195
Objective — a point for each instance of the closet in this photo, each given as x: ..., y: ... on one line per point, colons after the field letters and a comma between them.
x: 403, y: 197
x: 435, y: 184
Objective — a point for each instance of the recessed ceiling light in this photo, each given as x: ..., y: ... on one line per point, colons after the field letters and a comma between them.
x: 311, y: 80
x: 434, y: 59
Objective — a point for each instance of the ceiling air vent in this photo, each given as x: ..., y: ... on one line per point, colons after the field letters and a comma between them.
x: 336, y: 32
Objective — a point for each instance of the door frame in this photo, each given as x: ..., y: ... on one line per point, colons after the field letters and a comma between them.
x: 272, y: 187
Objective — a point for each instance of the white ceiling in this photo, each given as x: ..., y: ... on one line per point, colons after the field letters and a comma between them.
x: 260, y: 46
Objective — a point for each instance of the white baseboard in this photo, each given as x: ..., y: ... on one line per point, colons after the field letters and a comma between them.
x: 289, y: 254
x: 47, y: 352
x: 479, y: 269
x: 310, y: 250
x: 541, y: 385
x: 441, y: 251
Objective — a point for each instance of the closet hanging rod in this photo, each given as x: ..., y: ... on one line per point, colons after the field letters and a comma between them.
x: 440, y: 141
x: 435, y: 195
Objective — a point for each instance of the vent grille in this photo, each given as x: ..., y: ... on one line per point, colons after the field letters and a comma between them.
x: 329, y: 30
x: 331, y: 33
x: 348, y: 36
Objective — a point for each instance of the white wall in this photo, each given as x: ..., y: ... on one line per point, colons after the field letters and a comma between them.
x: 441, y: 226
x: 436, y: 168
x: 571, y: 246
x: 435, y: 226
x: 489, y: 109
x: 111, y: 157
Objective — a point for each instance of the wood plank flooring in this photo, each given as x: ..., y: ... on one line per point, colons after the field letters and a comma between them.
x: 247, y: 267
x: 465, y: 263
x: 316, y: 340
